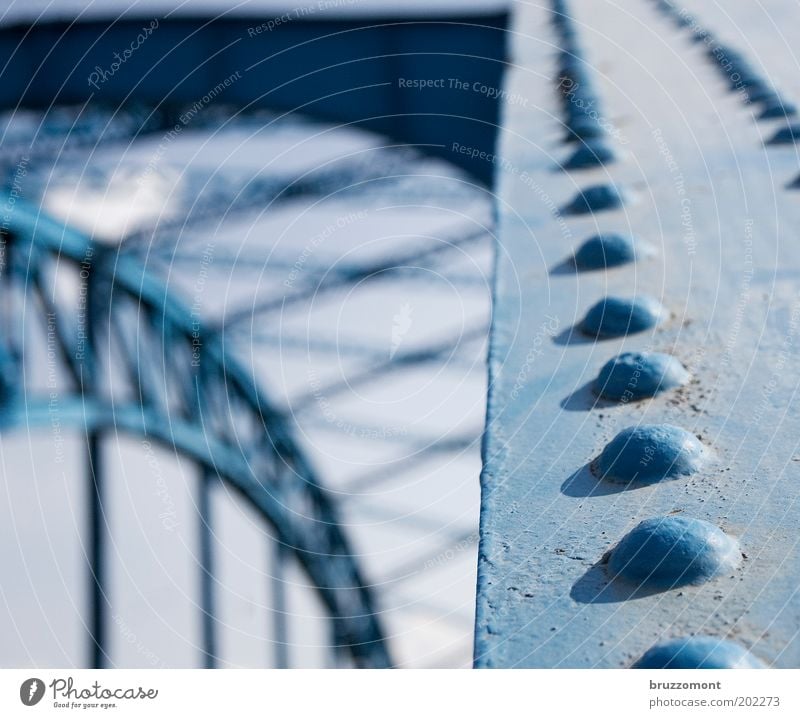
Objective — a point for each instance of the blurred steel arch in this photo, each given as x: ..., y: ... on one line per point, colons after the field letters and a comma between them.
x: 257, y: 456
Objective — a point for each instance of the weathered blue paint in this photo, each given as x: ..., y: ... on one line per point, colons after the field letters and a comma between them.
x: 639, y: 375
x: 618, y: 316
x: 671, y: 551
x: 698, y: 652
x: 648, y: 453
x: 595, y: 199
x: 609, y: 249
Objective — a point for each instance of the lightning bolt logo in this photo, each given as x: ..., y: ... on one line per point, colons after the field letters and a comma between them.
x: 31, y: 691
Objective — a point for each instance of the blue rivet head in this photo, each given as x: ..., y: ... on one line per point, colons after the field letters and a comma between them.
x: 786, y: 135
x: 592, y: 153
x: 609, y: 250
x: 760, y: 92
x: 743, y: 75
x: 617, y: 316
x: 671, y: 551
x: 777, y: 108
x: 582, y: 103
x: 649, y: 453
x: 572, y: 73
x: 583, y: 128
x: 724, y: 55
x: 698, y: 652
x: 595, y: 199
x: 638, y: 375
x: 702, y: 36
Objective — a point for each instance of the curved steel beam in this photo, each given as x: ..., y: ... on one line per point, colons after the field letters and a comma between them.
x: 285, y: 491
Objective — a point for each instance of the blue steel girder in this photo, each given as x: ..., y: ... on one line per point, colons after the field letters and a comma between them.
x: 594, y: 550
x: 344, y: 70
x: 253, y: 452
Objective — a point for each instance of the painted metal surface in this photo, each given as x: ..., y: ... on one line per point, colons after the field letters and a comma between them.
x: 710, y: 576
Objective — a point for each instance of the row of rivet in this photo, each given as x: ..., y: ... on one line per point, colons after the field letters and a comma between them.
x: 737, y: 70
x: 667, y: 552
x: 580, y: 100
x: 743, y: 77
